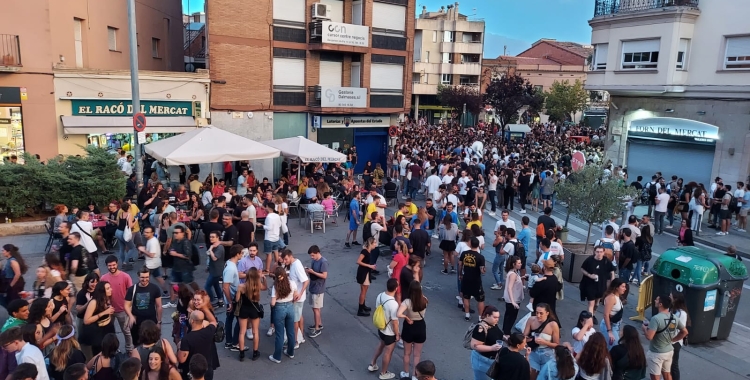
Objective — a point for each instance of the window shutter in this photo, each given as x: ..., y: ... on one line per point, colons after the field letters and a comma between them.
x: 336, y: 9
x: 640, y: 46
x: 387, y: 77
x: 288, y: 72
x: 601, y: 56
x: 289, y: 10
x: 738, y: 46
x: 330, y: 73
x: 389, y: 16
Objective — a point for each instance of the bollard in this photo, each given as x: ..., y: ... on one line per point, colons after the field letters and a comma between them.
x: 645, y: 292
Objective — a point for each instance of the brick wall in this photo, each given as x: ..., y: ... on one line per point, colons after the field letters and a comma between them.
x: 240, y: 53
x: 548, y: 50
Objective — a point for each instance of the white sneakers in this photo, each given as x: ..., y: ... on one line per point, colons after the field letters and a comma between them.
x: 270, y: 332
x: 249, y: 334
x: 169, y: 305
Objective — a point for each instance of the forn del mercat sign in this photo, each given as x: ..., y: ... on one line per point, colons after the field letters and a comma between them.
x: 670, y: 126
x: 116, y: 107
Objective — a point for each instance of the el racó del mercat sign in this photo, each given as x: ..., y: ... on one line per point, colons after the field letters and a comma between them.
x: 116, y: 107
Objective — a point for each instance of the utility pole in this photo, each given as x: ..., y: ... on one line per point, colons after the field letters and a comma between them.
x: 135, y: 89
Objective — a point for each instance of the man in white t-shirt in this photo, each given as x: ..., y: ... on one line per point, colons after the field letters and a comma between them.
x: 433, y: 182
x: 505, y: 221
x: 660, y: 210
x: 12, y: 341
x: 152, y: 253
x: 462, y: 184
x: 390, y: 334
x: 86, y: 229
x: 611, y: 222
x: 448, y: 178
x: 299, y: 276
x: 492, y: 191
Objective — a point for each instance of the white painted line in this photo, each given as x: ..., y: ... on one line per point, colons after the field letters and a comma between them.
x: 741, y: 325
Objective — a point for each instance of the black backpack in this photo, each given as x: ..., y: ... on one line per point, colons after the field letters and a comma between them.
x: 367, y: 231
x: 518, y: 249
x: 195, y: 257
x: 652, y: 190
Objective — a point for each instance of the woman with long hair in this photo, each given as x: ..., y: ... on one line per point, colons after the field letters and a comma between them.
x: 82, y: 300
x: 480, y: 198
x: 181, y: 326
x: 367, y: 174
x: 423, y: 216
x: 248, y: 298
x: 583, y: 331
x: 698, y: 208
x: 40, y: 283
x: 40, y: 313
x: 66, y: 353
x: 543, y: 333
x: 685, y: 234
x: 102, y: 365
x: 97, y: 320
x: 447, y: 234
x: 414, y: 332
x: 513, y: 293
x: 12, y: 281
x: 510, y: 361
x: 196, y: 213
x: 282, y: 295
x: 150, y: 337
x: 679, y: 309
x: 60, y: 294
x: 364, y: 268
x: 628, y: 357
x: 61, y: 215
x: 202, y: 301
x: 561, y: 367
x: 594, y: 362
x: 685, y: 197
x: 159, y: 367
x: 613, y: 310
x: 398, y: 262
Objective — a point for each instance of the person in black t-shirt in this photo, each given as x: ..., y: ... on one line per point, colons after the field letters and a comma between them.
x: 597, y: 271
x: 470, y: 270
x: 524, y: 182
x: 265, y: 186
x: 245, y: 230
x: 200, y: 340
x: 80, y: 264
x: 142, y: 303
x: 230, y: 235
x: 212, y: 225
x: 628, y: 255
x: 420, y: 240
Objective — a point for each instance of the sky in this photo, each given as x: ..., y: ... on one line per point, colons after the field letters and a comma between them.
x: 515, y: 24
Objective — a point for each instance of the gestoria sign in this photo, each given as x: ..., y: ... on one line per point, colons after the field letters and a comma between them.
x: 346, y: 97
x: 345, y: 34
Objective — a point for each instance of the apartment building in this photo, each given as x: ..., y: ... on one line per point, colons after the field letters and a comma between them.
x: 59, y: 64
x: 335, y: 71
x: 678, y: 75
x: 448, y: 50
x: 196, y: 43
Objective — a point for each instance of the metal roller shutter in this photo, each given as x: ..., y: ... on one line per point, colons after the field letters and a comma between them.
x: 687, y: 161
x: 289, y: 10
x: 288, y: 72
x: 387, y: 77
x: 330, y: 73
x: 640, y: 46
x: 388, y: 16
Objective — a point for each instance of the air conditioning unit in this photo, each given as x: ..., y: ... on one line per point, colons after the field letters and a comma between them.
x: 320, y: 11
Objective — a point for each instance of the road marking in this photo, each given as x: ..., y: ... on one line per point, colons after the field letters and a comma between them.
x: 741, y: 325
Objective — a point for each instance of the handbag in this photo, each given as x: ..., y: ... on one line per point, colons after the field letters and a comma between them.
x: 127, y: 234
x: 259, y: 308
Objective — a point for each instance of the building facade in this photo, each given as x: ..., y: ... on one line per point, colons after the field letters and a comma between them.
x: 448, y: 50
x: 678, y: 75
x: 38, y: 39
x: 196, y: 42
x: 334, y: 71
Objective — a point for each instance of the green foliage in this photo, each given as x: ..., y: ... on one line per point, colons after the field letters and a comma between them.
x: 456, y: 96
x: 72, y: 180
x: 565, y: 99
x: 591, y: 198
x: 507, y: 95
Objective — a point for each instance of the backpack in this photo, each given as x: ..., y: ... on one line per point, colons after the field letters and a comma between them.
x: 367, y: 231
x: 220, y: 332
x: 609, y: 249
x: 651, y: 190
x: 378, y: 317
x: 518, y: 249
x: 732, y: 203
x: 470, y: 333
x: 540, y: 230
x: 195, y: 258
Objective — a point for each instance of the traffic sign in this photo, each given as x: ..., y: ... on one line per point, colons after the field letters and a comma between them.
x: 577, y: 161
x: 139, y: 122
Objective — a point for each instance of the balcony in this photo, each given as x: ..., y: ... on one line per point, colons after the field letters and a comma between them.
x: 617, y: 7
x: 424, y: 89
x: 336, y: 36
x: 10, y: 53
x: 461, y: 47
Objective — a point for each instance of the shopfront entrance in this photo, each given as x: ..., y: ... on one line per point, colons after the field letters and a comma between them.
x: 11, y: 123
x: 369, y: 133
x: 672, y: 146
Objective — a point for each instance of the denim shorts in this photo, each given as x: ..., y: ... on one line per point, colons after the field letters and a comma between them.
x: 298, y: 306
x: 182, y: 277
x: 156, y: 272
x: 270, y: 246
x: 539, y: 357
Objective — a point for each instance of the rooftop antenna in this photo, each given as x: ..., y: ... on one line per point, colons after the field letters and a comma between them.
x: 505, y: 49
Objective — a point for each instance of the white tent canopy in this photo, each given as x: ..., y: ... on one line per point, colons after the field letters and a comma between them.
x: 300, y: 148
x: 523, y: 128
x: 207, y: 145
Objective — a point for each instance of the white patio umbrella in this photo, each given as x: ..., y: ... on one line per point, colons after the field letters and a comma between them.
x: 208, y: 145
x: 304, y: 150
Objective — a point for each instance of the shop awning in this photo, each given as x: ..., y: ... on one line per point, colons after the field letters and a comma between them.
x: 85, y: 125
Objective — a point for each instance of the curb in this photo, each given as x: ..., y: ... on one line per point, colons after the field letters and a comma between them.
x: 712, y: 244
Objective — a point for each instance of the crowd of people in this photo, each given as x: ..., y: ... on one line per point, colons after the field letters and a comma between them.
x: 70, y: 314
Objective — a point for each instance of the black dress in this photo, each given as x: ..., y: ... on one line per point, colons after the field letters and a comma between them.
x: 249, y: 309
x: 363, y: 272
x: 93, y: 333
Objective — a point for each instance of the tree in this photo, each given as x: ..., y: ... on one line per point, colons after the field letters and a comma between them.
x: 591, y: 197
x: 456, y: 96
x: 507, y: 95
x: 565, y: 99
x: 72, y: 180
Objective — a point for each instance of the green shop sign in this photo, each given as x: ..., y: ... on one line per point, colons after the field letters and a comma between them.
x: 95, y: 107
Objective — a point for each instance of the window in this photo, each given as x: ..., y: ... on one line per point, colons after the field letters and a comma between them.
x: 468, y: 80
x: 416, y: 77
x: 434, y: 36
x: 155, y: 47
x: 737, y: 54
x: 357, y: 12
x: 446, y: 79
x: 449, y: 36
x: 682, y: 54
x: 447, y: 58
x: 389, y: 17
x: 112, y: 38
x: 386, y: 77
x: 289, y: 10
x: 640, y: 55
x: 78, y: 40
x: 427, y: 56
x: 539, y: 89
x: 600, y: 56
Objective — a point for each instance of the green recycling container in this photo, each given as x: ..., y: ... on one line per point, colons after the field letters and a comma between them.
x: 711, y: 283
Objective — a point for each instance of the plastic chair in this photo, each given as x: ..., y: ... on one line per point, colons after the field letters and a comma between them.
x: 317, y: 217
x: 294, y: 204
x: 51, y: 239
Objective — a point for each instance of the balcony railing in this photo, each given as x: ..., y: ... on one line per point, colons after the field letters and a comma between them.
x: 314, y: 93
x: 10, y: 52
x: 613, y: 7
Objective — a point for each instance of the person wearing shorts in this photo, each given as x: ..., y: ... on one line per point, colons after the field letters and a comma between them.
x: 390, y: 334
x: 662, y: 331
x: 298, y: 274
x: 152, y: 253
x: 272, y: 242
x: 318, y: 272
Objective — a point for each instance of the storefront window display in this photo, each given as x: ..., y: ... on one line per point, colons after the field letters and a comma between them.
x: 11, y: 132
x: 124, y: 141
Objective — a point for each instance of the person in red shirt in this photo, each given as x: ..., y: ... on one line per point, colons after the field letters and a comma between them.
x: 119, y: 282
x: 218, y: 189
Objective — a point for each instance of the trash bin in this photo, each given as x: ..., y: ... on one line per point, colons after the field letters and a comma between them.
x: 571, y: 268
x: 711, y: 283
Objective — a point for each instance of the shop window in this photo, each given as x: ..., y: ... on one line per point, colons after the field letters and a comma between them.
x: 11, y: 133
